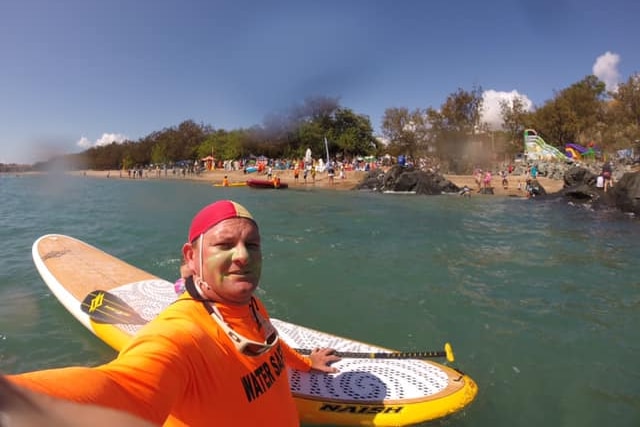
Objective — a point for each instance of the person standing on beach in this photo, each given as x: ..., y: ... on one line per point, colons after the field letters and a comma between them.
x: 330, y: 173
x: 505, y: 180
x: 210, y: 358
x: 606, y: 175
x: 487, y: 181
x: 478, y: 178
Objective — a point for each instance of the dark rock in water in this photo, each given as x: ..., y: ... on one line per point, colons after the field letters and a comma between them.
x: 580, y: 187
x: 488, y: 190
x: 403, y: 179
x: 534, y: 188
x: 626, y: 193
x: 581, y: 193
x: 578, y: 176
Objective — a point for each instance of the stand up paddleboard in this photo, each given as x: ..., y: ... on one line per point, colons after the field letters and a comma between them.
x: 376, y: 392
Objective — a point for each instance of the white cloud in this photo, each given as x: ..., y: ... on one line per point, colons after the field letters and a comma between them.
x: 84, y: 143
x: 105, y: 139
x: 606, y: 69
x: 491, y: 114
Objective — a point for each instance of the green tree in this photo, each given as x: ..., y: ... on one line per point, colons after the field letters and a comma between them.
x: 224, y: 145
x: 159, y: 154
x: 127, y: 161
x: 313, y: 121
x: 623, y: 115
x: 454, y: 128
x: 628, y: 99
x: 352, y: 133
x: 514, y: 118
x: 405, y: 130
x: 291, y: 133
x: 575, y: 114
x: 311, y: 134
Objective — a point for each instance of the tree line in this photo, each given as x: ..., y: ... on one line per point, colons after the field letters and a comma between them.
x: 452, y: 135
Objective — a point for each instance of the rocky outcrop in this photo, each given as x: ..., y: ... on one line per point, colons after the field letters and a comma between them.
x: 534, y: 189
x: 559, y: 170
x: 406, y: 179
x: 580, y: 187
x: 626, y: 193
x: 575, y: 176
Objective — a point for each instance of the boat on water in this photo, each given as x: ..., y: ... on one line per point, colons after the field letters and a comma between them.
x: 267, y: 183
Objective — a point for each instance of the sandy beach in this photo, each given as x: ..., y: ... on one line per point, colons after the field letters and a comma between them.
x: 322, y: 181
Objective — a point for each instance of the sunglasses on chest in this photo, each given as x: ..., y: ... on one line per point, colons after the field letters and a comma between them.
x: 245, y: 345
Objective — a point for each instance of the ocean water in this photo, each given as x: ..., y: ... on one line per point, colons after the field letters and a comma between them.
x: 540, y: 300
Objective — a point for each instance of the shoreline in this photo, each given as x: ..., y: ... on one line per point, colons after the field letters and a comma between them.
x: 353, y: 178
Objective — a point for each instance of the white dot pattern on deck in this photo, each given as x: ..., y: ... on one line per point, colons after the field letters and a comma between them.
x: 359, y: 380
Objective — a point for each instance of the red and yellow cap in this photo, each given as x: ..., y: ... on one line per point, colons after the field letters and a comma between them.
x: 214, y: 213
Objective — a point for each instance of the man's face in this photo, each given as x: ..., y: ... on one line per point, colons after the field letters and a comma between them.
x: 231, y: 260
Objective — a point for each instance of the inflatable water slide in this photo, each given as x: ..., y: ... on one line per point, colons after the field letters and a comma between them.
x: 536, y: 149
x: 577, y: 151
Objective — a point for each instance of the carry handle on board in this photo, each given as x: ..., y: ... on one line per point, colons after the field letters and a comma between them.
x: 105, y: 307
x: 448, y: 353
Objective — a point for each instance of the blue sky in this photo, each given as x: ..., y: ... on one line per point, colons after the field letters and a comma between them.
x: 78, y: 73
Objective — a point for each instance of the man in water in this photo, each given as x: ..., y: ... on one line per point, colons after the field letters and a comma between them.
x: 210, y: 358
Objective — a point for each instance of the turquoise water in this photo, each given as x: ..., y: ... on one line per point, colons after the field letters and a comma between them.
x: 540, y: 300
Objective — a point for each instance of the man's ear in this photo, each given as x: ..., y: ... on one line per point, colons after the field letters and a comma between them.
x: 188, y: 253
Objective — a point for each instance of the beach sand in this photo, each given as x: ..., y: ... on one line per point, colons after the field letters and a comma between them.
x: 322, y: 181
x: 550, y: 185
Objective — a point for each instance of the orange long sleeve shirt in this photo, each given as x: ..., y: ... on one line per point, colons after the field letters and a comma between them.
x: 181, y: 369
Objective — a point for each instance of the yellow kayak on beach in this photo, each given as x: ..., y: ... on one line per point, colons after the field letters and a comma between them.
x: 232, y: 184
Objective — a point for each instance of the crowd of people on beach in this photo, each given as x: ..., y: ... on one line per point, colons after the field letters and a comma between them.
x: 484, y: 179
x: 263, y: 166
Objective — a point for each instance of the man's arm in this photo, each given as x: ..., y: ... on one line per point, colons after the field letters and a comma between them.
x: 20, y: 407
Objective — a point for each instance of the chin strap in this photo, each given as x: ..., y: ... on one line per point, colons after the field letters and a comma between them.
x: 196, y: 294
